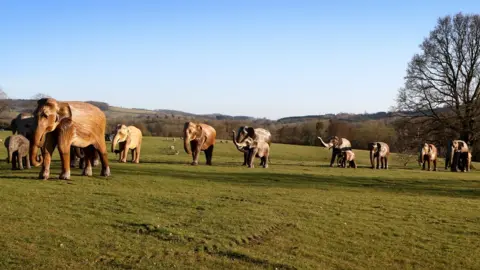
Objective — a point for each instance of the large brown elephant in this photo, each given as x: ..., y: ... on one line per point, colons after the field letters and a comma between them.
x: 428, y: 153
x: 128, y: 138
x: 338, y: 145
x: 458, y: 156
x: 258, y: 135
x: 65, y: 124
x: 199, y: 137
x: 379, y: 151
x: 260, y: 149
x: 17, y: 149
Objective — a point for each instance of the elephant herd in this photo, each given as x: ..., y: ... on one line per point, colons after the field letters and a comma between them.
x: 458, y: 156
x: 78, y: 130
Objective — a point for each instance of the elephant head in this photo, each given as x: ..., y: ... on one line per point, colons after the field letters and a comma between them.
x: 424, y: 150
x: 191, y: 131
x: 245, y: 132
x: 245, y: 143
x: 122, y: 134
x: 47, y: 116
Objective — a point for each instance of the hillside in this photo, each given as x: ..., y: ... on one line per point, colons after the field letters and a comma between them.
x: 26, y: 105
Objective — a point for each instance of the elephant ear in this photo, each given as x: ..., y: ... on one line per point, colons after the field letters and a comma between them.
x: 63, y: 111
x: 251, y: 132
x: 370, y: 146
x: 199, y: 131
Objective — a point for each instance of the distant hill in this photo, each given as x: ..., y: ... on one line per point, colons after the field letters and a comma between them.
x: 27, y: 105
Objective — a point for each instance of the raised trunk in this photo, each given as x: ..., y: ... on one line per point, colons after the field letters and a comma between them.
x: 323, y: 143
x: 240, y: 147
x: 186, y: 143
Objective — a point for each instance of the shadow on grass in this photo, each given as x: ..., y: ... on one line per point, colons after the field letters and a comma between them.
x: 426, y: 186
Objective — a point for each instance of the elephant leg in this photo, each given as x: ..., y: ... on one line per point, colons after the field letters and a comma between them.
x: 252, y: 154
x: 27, y: 162
x: 64, y: 150
x: 73, y: 158
x: 14, y: 160
x: 386, y: 162
x: 96, y: 160
x: 101, y: 148
x: 89, y: 155
x: 245, y: 158
x: 378, y: 161
x: 47, y: 152
x: 334, y: 155
x: 20, y: 161
x: 265, y: 161
x: 209, y: 154
x: 195, y: 146
x: 137, y: 152
x: 434, y: 165
x: 428, y: 164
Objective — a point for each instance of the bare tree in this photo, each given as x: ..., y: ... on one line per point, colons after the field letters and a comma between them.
x: 442, y: 85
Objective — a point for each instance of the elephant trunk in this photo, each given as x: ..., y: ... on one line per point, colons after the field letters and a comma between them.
x: 114, y: 142
x: 34, y: 159
x: 239, y: 146
x: 324, y: 144
x: 37, y: 141
x: 185, y: 144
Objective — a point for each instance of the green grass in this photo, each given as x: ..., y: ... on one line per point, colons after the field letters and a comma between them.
x: 297, y: 214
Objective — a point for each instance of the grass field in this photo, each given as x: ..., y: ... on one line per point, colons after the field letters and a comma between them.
x: 297, y: 214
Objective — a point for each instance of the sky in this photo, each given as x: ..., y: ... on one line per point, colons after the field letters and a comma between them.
x: 262, y: 58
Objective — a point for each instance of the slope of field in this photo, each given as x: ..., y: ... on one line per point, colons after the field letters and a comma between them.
x: 297, y: 214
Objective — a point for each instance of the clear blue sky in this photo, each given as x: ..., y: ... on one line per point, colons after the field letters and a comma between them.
x: 259, y: 58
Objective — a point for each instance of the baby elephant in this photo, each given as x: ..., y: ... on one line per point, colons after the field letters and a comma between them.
x: 347, y: 156
x: 17, y: 148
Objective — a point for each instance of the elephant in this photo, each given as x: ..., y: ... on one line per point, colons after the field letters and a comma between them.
x: 128, y: 138
x: 458, y: 156
x: 379, y: 150
x: 257, y: 134
x: 338, y: 145
x: 17, y: 148
x: 347, y: 157
x: 23, y: 124
x: 428, y: 153
x: 252, y: 148
x: 201, y: 137
x: 65, y: 124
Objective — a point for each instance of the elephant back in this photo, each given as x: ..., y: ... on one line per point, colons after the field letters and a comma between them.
x: 263, y: 135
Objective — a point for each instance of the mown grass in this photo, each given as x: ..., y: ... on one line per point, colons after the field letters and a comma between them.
x: 297, y: 214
